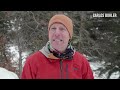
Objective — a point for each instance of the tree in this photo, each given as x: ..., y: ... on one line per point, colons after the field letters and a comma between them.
x: 5, y: 56
x: 105, y: 32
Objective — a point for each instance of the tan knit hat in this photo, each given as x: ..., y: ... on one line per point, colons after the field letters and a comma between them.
x: 66, y: 21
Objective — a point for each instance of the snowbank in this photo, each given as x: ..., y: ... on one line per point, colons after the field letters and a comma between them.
x: 5, y: 74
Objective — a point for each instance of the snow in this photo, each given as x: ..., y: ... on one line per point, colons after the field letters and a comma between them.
x: 5, y: 74
x: 115, y: 75
x: 14, y: 50
x: 95, y: 66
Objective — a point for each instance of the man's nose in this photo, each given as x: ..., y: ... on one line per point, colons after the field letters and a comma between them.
x: 57, y: 32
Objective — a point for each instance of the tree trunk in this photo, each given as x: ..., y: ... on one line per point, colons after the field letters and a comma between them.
x: 20, y: 54
x: 20, y: 63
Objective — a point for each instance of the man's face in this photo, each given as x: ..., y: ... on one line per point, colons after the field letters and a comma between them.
x: 59, y: 37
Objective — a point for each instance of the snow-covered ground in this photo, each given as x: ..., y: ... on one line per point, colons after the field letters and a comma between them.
x: 14, y: 50
x: 95, y: 66
x: 5, y: 74
x: 115, y: 75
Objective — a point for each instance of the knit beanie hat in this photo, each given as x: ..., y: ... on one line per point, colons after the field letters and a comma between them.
x: 63, y: 19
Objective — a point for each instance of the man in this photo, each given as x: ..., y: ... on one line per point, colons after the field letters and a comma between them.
x: 57, y: 59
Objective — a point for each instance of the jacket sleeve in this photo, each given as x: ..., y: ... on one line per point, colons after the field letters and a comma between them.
x: 27, y: 72
x: 87, y: 71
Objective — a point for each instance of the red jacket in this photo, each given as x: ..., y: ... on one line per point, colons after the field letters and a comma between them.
x: 38, y: 66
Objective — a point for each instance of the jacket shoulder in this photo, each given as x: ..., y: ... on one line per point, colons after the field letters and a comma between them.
x: 35, y: 57
x: 78, y: 57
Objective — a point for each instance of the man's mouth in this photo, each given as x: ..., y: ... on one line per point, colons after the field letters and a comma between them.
x: 58, y: 40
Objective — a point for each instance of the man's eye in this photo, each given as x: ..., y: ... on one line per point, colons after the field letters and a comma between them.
x: 53, y: 28
x: 62, y: 29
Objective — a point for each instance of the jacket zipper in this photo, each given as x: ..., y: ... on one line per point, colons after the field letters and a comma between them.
x: 66, y: 71
x: 61, y: 68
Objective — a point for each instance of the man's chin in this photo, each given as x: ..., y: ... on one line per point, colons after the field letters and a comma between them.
x: 57, y: 48
x: 57, y: 44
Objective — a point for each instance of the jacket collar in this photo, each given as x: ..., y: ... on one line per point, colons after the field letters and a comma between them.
x: 45, y: 50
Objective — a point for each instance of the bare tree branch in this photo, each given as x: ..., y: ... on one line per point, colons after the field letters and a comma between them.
x: 35, y: 19
x: 29, y: 26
